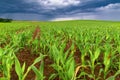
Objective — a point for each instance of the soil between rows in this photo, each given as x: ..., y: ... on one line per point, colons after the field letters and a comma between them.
x: 26, y: 56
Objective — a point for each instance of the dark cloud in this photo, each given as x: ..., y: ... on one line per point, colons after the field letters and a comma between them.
x: 53, y: 9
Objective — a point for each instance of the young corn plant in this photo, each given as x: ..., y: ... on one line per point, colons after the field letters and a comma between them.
x: 63, y: 61
x: 94, y: 53
x: 117, y: 58
x: 6, y: 60
x: 82, y: 40
x: 39, y: 72
x: 93, y: 57
x: 35, y: 46
x: 107, y: 59
x: 82, y: 45
x: 20, y: 70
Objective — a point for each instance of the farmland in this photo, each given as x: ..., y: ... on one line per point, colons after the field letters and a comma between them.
x: 63, y: 50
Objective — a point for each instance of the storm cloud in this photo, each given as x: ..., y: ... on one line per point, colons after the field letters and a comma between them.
x: 60, y: 9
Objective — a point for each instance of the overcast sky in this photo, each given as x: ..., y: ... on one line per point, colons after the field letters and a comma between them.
x: 60, y: 9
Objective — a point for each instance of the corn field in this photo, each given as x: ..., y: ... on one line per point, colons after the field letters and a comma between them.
x: 66, y: 50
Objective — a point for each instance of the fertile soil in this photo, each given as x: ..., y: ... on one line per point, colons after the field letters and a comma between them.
x: 36, y: 33
x: 25, y: 56
x: 1, y: 74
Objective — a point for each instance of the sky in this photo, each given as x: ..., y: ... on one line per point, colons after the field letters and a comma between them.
x: 55, y: 10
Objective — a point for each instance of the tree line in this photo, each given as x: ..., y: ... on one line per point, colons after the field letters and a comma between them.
x: 5, y: 20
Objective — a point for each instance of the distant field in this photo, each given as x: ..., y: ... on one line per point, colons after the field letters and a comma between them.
x: 61, y: 50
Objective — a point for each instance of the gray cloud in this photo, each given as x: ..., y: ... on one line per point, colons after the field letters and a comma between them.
x: 54, y: 4
x: 60, y: 9
x: 109, y: 7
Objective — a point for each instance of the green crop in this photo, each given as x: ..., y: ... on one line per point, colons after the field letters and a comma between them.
x: 6, y: 60
x: 39, y: 72
x: 77, y: 49
x: 64, y: 62
x: 21, y: 70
